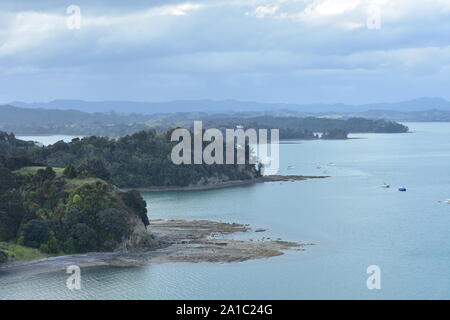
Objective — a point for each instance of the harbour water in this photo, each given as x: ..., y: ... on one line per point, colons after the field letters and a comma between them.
x: 353, y: 222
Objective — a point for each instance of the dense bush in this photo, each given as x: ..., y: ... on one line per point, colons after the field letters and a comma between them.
x: 35, y: 233
x: 140, y: 160
x: 3, y: 257
x: 304, y: 128
x: 70, y: 172
x: 42, y: 211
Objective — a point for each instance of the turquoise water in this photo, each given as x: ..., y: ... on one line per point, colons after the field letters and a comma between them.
x: 48, y: 139
x: 353, y: 222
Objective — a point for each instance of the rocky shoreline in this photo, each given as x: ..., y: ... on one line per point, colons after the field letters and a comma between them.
x: 227, y: 184
x: 175, y: 241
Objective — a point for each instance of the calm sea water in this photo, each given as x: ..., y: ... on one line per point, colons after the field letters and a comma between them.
x: 48, y: 139
x: 353, y: 222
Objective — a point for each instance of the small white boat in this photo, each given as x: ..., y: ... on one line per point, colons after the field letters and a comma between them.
x: 446, y: 201
x: 332, y: 164
x: 290, y: 167
x: 385, y: 185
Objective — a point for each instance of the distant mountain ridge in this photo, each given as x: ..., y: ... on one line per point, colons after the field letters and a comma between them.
x: 217, y: 106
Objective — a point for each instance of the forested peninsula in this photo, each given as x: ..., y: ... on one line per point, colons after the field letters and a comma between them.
x: 64, y: 198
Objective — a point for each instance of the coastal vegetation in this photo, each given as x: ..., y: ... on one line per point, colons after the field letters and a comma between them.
x: 306, y: 128
x: 45, y: 211
x: 63, y: 199
x: 135, y: 161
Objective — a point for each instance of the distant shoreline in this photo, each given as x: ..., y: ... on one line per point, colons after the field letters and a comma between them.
x: 227, y: 184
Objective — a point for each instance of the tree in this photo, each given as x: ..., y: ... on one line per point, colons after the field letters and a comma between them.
x: 8, y: 180
x: 70, y: 172
x: 134, y: 200
x: 3, y: 257
x: 93, y: 167
x: 112, y: 227
x: 35, y: 233
x: 44, y: 175
x: 82, y: 238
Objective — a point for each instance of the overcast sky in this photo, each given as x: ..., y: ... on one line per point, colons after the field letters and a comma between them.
x: 297, y: 51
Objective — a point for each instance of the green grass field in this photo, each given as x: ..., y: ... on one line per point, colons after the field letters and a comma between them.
x: 33, y: 170
x: 79, y: 182
x: 59, y: 172
x: 21, y: 253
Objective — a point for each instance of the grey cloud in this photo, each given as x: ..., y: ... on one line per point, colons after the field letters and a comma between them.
x: 220, y: 50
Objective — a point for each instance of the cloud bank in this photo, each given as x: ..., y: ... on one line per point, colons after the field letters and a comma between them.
x: 353, y: 51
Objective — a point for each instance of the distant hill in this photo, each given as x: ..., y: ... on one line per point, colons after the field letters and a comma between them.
x: 212, y: 106
x: 30, y: 121
x: 13, y: 115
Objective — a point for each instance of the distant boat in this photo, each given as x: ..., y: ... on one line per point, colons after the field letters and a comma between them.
x: 385, y: 185
x: 402, y: 189
x: 332, y: 164
x: 446, y: 201
x: 290, y: 167
x: 319, y: 167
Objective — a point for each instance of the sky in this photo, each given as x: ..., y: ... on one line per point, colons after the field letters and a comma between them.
x: 294, y: 51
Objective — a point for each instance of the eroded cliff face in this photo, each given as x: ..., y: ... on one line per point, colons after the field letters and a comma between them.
x: 140, y: 236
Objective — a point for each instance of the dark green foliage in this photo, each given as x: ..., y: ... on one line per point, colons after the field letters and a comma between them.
x: 140, y: 160
x: 43, y: 211
x: 12, y: 213
x: 35, y: 233
x: 43, y: 175
x: 14, y: 153
x: 93, y: 167
x: 70, y: 172
x: 112, y: 227
x: 304, y: 128
x: 16, y: 162
x: 80, y: 238
x: 8, y: 180
x: 134, y: 200
x: 3, y: 257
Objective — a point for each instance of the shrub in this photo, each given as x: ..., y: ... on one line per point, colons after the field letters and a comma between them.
x: 134, y: 201
x: 70, y: 172
x: 82, y: 238
x: 3, y: 257
x: 35, y: 233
